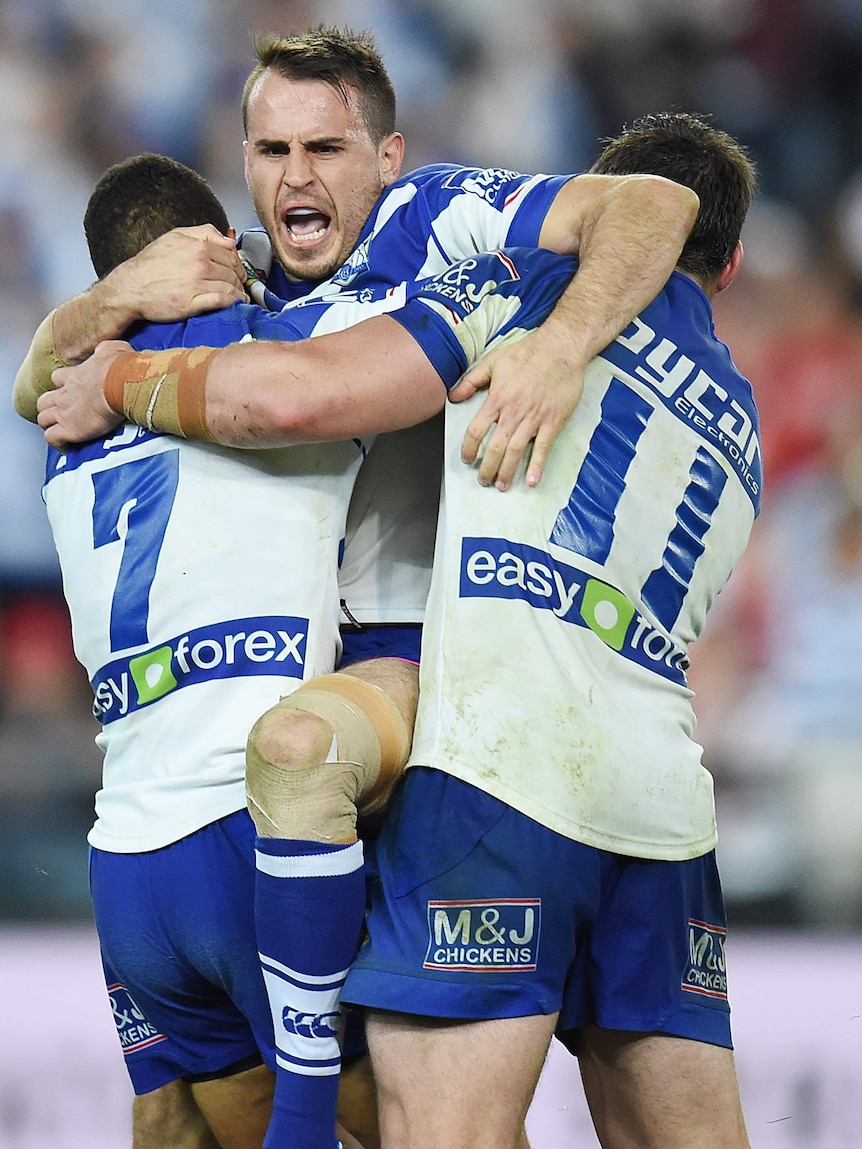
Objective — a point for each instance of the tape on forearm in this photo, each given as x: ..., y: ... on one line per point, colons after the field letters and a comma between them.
x: 34, y: 374
x: 162, y: 390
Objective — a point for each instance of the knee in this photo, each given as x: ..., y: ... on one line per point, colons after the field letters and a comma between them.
x: 290, y: 739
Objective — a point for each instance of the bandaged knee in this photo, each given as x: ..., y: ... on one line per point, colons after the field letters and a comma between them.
x: 332, y: 749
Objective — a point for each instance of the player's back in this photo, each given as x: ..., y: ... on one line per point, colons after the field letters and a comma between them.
x: 202, y: 587
x: 553, y: 667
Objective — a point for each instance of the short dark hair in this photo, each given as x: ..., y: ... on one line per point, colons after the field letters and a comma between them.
x: 139, y: 199
x: 686, y: 148
x: 344, y: 59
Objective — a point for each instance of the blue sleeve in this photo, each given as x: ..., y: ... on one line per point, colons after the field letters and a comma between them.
x: 436, y: 338
x: 530, y: 278
x: 213, y: 329
x: 527, y: 224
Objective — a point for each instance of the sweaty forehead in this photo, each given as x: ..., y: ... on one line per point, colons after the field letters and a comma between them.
x: 282, y: 108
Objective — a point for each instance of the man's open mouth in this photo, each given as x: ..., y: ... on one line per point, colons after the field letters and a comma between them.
x: 305, y: 224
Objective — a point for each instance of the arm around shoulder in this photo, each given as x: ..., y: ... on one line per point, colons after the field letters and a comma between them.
x: 643, y: 204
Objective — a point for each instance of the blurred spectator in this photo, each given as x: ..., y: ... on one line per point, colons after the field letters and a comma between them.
x: 785, y: 730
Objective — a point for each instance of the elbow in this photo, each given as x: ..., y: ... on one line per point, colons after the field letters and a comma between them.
x: 691, y: 204
x: 682, y: 203
x: 281, y: 422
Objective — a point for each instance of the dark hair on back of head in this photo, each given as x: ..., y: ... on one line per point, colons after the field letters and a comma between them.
x: 686, y: 148
x: 139, y: 199
x: 339, y: 57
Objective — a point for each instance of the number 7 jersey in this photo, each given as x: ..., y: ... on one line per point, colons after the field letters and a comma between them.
x: 202, y: 587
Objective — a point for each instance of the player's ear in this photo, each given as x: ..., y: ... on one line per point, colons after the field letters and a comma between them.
x: 391, y: 156
x: 729, y: 274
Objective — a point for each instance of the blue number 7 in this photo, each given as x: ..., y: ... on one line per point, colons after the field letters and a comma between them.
x: 147, y: 487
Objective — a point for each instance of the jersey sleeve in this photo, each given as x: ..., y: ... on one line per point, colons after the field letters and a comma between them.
x: 536, y: 201
x: 457, y: 316
x: 480, y: 209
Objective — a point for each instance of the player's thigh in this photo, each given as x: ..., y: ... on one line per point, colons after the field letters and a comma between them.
x: 456, y: 1084
x: 237, y: 1108
x: 654, y: 1091
x: 396, y: 677
x: 170, y: 1116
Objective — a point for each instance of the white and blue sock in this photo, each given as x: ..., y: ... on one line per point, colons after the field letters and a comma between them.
x: 309, y: 909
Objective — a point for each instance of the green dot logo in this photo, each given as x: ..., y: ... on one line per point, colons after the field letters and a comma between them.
x: 607, y: 612
x: 152, y: 674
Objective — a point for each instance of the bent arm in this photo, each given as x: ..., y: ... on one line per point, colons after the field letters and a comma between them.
x: 183, y: 273
x: 628, y: 233
x: 34, y: 374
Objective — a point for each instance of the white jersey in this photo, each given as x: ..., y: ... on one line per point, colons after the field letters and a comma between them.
x: 202, y: 587
x: 557, y: 629
x: 426, y: 221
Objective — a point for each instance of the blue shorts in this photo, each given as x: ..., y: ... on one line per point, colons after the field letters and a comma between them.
x: 177, y: 934
x: 481, y: 912
x: 179, y: 953
x: 390, y: 640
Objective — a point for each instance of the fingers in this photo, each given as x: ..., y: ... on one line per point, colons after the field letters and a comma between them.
x: 502, y: 456
x: 476, y: 379
x: 499, y: 443
x: 47, y: 420
x: 475, y: 434
x: 216, y: 297
x: 539, y: 457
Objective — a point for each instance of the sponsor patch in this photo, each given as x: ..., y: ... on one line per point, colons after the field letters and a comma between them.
x: 236, y: 649
x: 706, y: 972
x: 484, y: 935
x: 463, y: 286
x: 322, y: 1026
x: 486, y: 183
x: 133, y: 1029
x: 499, y: 568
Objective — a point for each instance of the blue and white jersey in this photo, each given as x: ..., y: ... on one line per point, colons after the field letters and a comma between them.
x: 559, y: 621
x: 426, y: 221
x: 201, y: 583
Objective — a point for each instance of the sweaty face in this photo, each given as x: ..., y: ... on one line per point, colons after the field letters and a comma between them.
x: 313, y: 171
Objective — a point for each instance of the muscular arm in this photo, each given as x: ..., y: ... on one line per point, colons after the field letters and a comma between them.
x: 628, y: 232
x: 185, y: 272
x: 371, y: 378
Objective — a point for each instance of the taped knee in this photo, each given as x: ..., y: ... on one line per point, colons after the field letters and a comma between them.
x: 331, y: 748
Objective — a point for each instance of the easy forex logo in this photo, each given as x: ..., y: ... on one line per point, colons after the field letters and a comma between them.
x: 273, y: 645
x: 498, y: 568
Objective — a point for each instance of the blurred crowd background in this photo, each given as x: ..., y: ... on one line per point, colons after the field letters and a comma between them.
x: 532, y: 85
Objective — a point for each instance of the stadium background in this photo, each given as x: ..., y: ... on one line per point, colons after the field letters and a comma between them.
x: 532, y: 85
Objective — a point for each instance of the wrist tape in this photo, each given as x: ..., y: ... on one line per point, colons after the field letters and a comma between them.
x: 163, y: 391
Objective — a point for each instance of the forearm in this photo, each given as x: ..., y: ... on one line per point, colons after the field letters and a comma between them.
x: 68, y: 335
x: 370, y: 379
x: 628, y: 244
x: 34, y: 374
x: 100, y: 313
